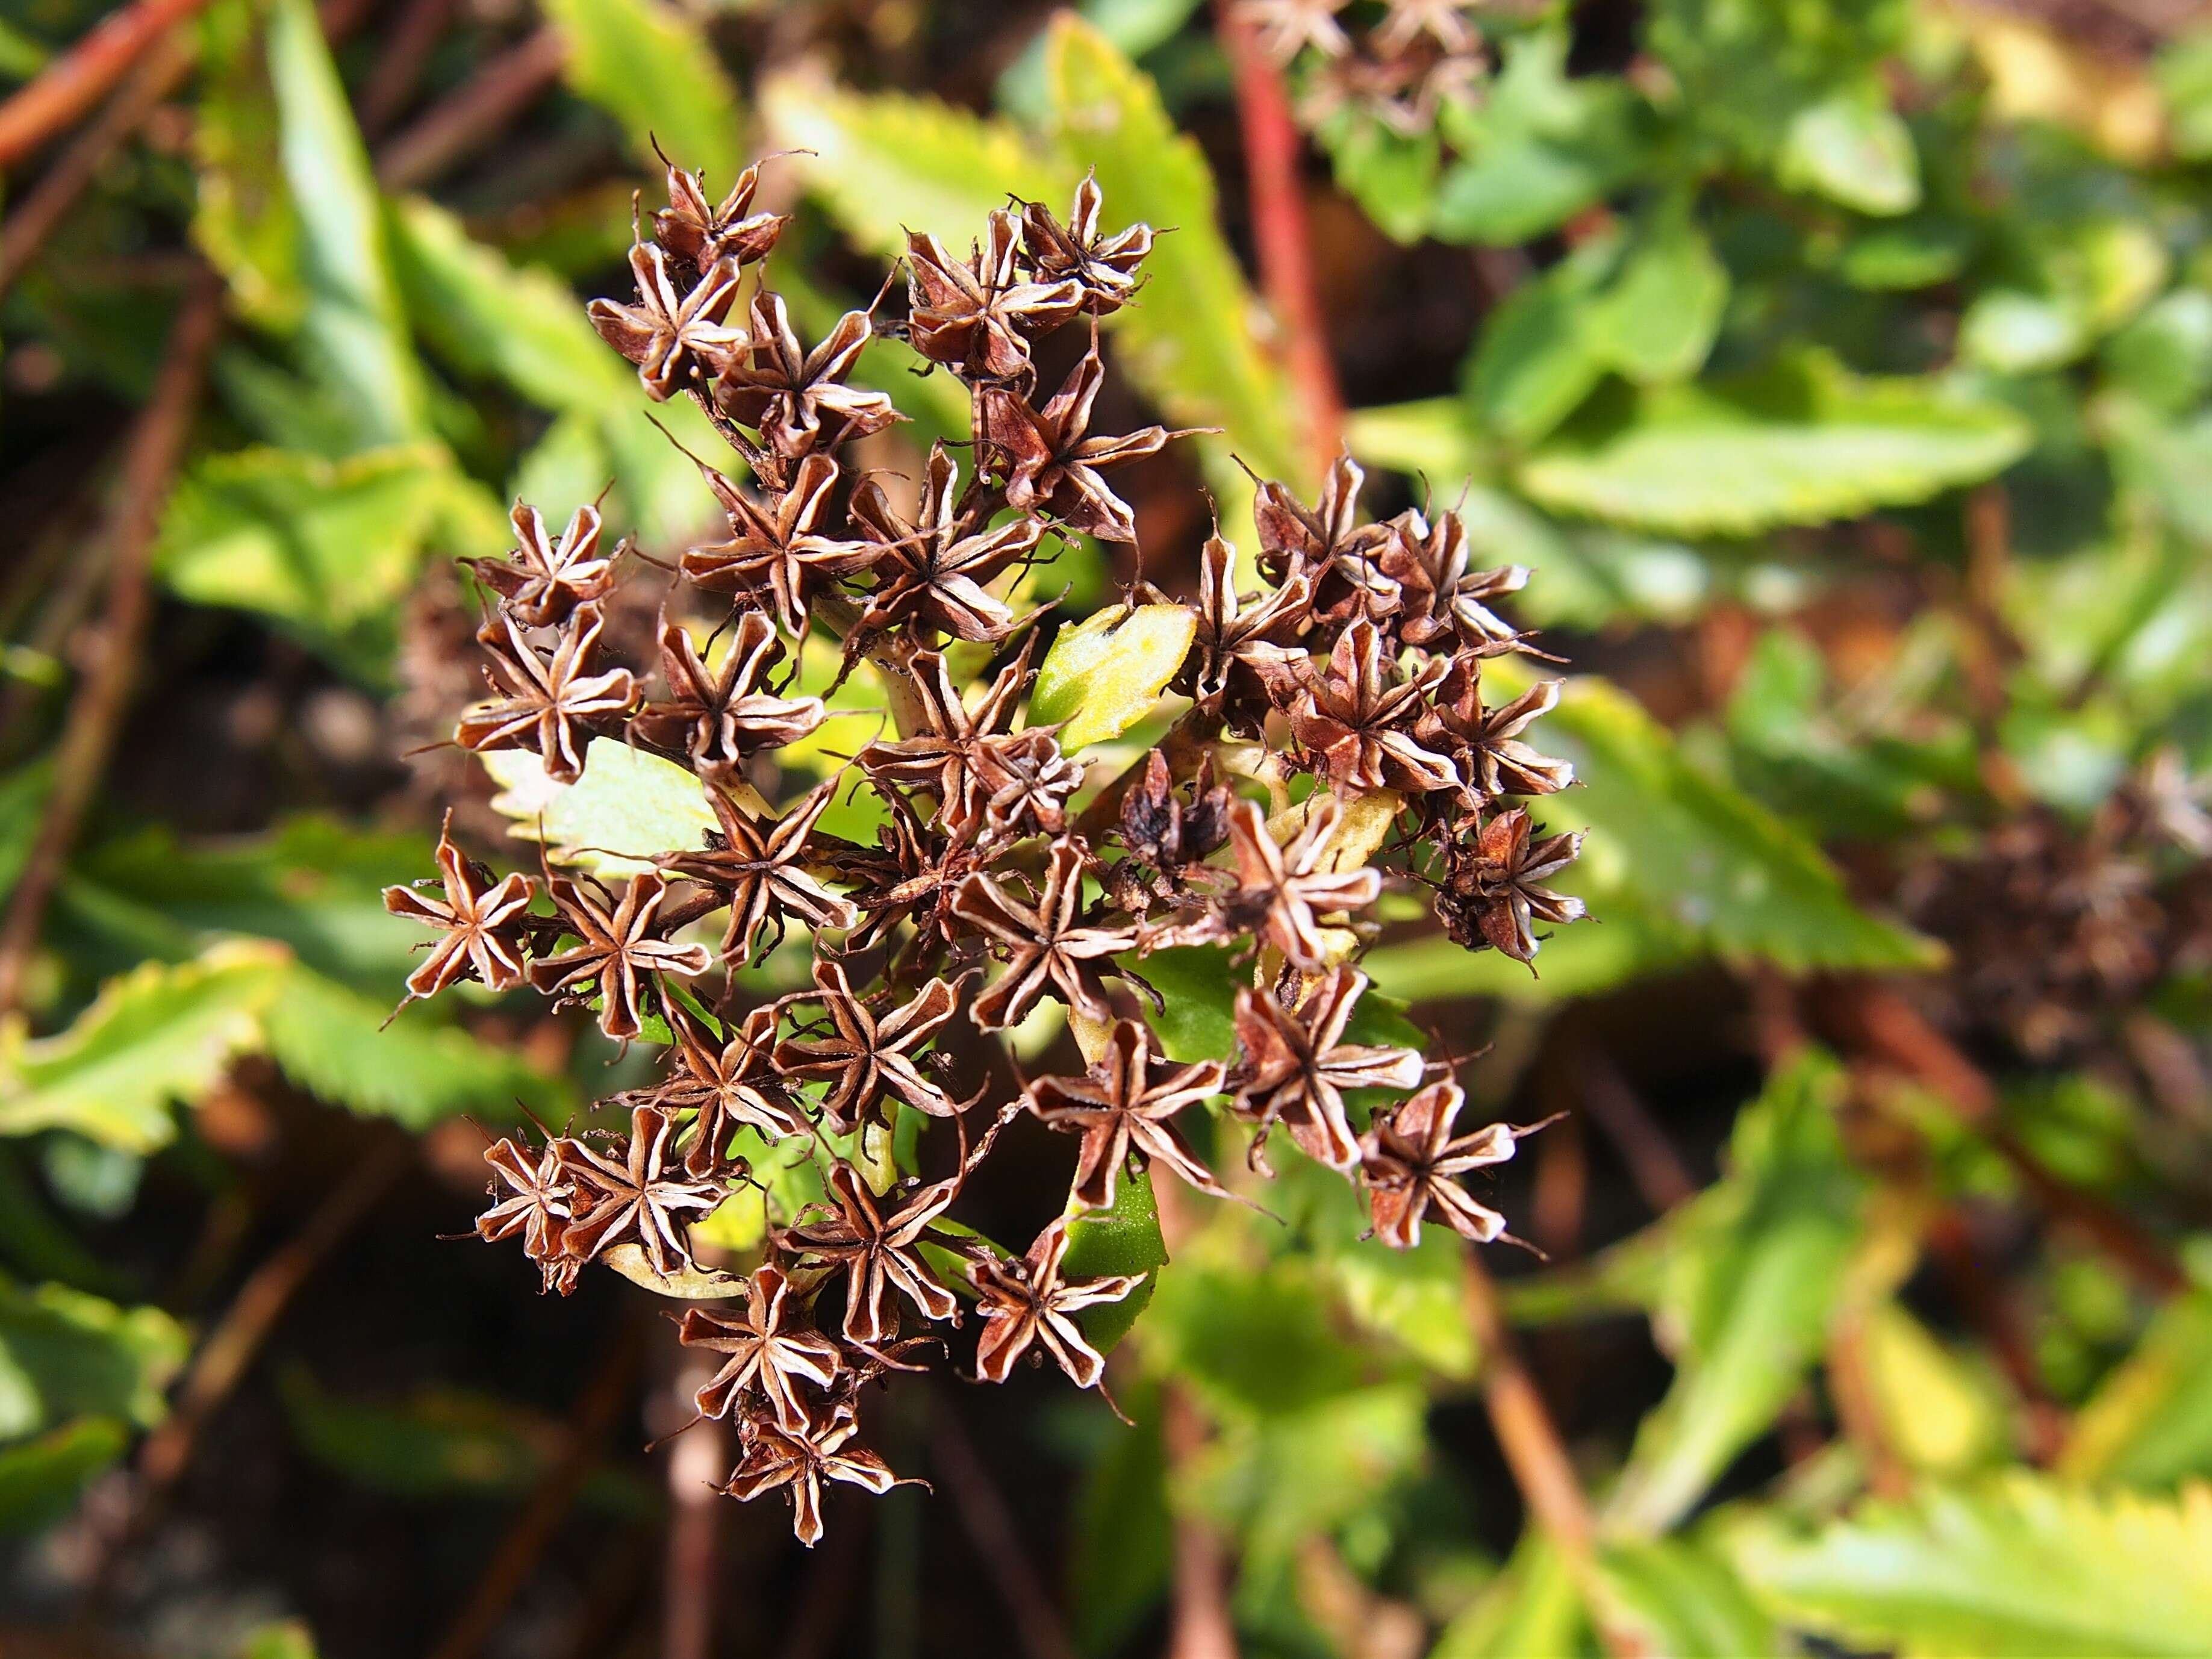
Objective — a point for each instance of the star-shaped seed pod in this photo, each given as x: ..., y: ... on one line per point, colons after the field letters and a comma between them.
x: 978, y: 317
x: 1444, y: 21
x: 552, y: 704
x: 1240, y: 649
x: 1410, y: 1162
x: 1023, y: 780
x: 1496, y: 893
x: 636, y: 1195
x: 1124, y: 1111
x: 541, y: 581
x: 802, y: 1460
x: 876, y: 1252
x: 620, y: 950
x: 1104, y: 267
x: 730, y: 1085
x: 1443, y: 599
x: 1293, y: 1066
x: 1287, y: 28
x: 869, y: 1062
x: 703, y: 236
x: 1358, y: 719
x: 938, y: 754
x: 532, y: 1194
x: 909, y: 876
x: 1484, y: 743
x: 1047, y: 460
x: 1281, y: 891
x: 1295, y: 539
x: 774, y: 557
x: 484, y: 923
x: 759, y: 869
x: 1026, y: 1301
x: 1045, y: 948
x: 1167, y: 832
x: 770, y: 1352
x: 797, y: 399
x: 719, y: 718
x: 674, y: 339
x: 932, y: 572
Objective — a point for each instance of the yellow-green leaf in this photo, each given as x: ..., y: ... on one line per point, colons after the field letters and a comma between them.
x: 1105, y: 673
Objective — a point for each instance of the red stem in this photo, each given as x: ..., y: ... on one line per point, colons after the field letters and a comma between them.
x: 80, y: 77
x: 1280, y: 233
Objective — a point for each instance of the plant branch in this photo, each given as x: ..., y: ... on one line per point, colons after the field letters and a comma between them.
x: 75, y: 82
x: 990, y: 1526
x: 1280, y: 233
x: 457, y: 123
x: 150, y: 467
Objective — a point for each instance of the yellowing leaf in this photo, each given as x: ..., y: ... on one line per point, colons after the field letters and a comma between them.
x: 627, y: 806
x: 1106, y: 672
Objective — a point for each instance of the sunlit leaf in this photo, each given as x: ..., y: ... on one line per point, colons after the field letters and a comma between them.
x: 627, y: 806
x: 1105, y: 673
x: 1124, y: 1239
x: 2149, y: 1423
x: 650, y: 65
x: 88, y: 1356
x: 40, y: 1479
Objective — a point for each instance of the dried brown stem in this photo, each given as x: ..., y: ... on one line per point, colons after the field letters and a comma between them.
x: 407, y: 49
x: 48, y: 202
x: 76, y: 80
x: 698, y: 1459
x: 1662, y: 1179
x: 149, y: 466
x: 1201, y: 1628
x: 594, y: 1414
x: 990, y: 1527
x: 1280, y: 233
x: 458, y: 123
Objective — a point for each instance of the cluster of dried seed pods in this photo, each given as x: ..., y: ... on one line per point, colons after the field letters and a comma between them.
x: 1003, y: 877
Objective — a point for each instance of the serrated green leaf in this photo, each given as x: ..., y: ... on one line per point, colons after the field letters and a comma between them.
x: 1106, y: 672
x: 156, y: 1035
x: 88, y: 1356
x: 353, y: 334
x: 2019, y: 1564
x: 1756, y: 1269
x: 1800, y: 443
x: 2149, y: 1423
x: 1938, y: 1412
x: 1531, y: 1608
x: 651, y: 66
x: 327, y: 548
x: 1682, y: 1599
x: 627, y: 806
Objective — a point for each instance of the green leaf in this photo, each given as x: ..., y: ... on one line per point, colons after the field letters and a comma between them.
x: 1697, y: 854
x: 23, y: 795
x: 2020, y: 1565
x: 157, y: 1035
x: 1853, y: 149
x: 2149, y: 1423
x: 2184, y: 70
x: 1939, y: 1411
x: 354, y: 332
x: 1531, y: 1608
x: 1800, y: 443
x: 1663, y: 305
x: 1124, y: 1239
x: 40, y: 1479
x: 327, y: 548
x: 85, y: 1355
x: 1392, y: 175
x: 1188, y: 339
x: 243, y: 219
x: 1106, y: 672
x: 1250, y: 1344
x: 1682, y: 1599
x: 333, y: 1042
x: 288, y: 1638
x: 686, y: 1284
x: 1539, y: 357
x: 627, y: 806
x: 651, y: 67
x: 1755, y: 1272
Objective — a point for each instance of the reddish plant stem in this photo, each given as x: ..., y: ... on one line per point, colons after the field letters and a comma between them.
x: 1662, y: 1179
x: 698, y: 1459
x: 1038, y: 1629
x: 80, y: 77
x: 407, y: 49
x: 1200, y: 1626
x: 1280, y: 233
x: 455, y: 126
x: 48, y: 202
x: 149, y: 466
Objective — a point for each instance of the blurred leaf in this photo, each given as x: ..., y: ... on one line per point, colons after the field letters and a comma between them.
x: 1531, y: 1608
x: 2149, y: 1423
x: 86, y: 1355
x: 1757, y: 1266
x: 627, y: 806
x: 2016, y: 1564
x: 1800, y: 443
x: 1121, y: 1561
x: 1124, y: 1239
x: 1414, y: 1299
x: 1938, y: 1412
x: 651, y: 66
x: 1280, y: 1479
x: 353, y: 332
x: 40, y: 1479
x: 2164, y: 356
x: 1664, y: 304
x: 159, y: 1034
x: 1188, y: 339
x: 1251, y: 1344
x: 332, y: 1043
x: 327, y: 548
x: 1538, y: 356
x: 1682, y: 1599
x: 244, y: 220
x: 1541, y: 147
x: 1106, y: 672
x: 289, y: 1638
x: 2015, y: 332
x: 2185, y: 76
x: 37, y: 1242
x: 443, y: 1442
x: 686, y: 1284
x: 1135, y: 28
x: 1853, y: 149
x: 23, y: 795
x: 1392, y: 175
